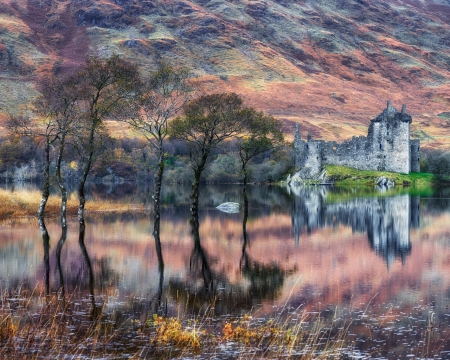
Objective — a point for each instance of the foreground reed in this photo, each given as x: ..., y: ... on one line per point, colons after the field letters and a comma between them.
x: 34, y: 326
x: 23, y: 203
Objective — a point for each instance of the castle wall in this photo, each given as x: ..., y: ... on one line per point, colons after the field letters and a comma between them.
x: 313, y: 158
x: 415, y: 155
x: 352, y: 153
x: 398, y: 149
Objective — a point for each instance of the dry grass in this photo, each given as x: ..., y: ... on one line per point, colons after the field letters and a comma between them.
x: 25, y: 203
x: 36, y: 326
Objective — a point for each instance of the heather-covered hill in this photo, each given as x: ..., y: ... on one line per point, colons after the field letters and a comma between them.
x: 330, y: 64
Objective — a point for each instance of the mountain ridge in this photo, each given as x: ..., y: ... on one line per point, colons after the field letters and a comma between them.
x: 329, y: 64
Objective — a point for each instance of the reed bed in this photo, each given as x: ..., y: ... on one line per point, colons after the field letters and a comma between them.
x: 24, y: 203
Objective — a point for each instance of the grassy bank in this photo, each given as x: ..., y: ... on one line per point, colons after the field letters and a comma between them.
x: 345, y: 176
x: 25, y: 203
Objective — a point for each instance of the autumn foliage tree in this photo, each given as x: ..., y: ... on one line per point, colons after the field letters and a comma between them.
x: 262, y: 133
x: 208, y: 121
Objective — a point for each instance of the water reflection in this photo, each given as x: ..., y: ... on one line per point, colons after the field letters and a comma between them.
x: 266, y: 280
x: 304, y: 242
x: 59, y: 248
x: 95, y: 310
x: 199, y: 260
x: 386, y: 220
x: 158, y: 302
x: 46, y: 246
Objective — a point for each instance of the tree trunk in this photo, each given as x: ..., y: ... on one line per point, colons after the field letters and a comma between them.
x: 195, y: 193
x: 60, y: 182
x: 158, y: 181
x: 46, y: 185
x: 87, y: 169
x: 196, y: 185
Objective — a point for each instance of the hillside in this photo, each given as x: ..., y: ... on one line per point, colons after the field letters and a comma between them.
x: 329, y: 64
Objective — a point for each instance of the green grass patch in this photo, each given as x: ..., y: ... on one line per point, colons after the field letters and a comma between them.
x: 348, y: 176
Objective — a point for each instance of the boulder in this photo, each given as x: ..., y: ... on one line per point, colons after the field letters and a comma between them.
x: 383, y: 181
x: 229, y: 207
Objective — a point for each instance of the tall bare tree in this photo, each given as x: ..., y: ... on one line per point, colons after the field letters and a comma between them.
x: 208, y: 121
x: 45, y: 127
x: 164, y: 95
x: 106, y: 86
x: 59, y: 100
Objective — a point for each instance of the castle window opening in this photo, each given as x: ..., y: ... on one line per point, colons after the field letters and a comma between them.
x: 380, y: 146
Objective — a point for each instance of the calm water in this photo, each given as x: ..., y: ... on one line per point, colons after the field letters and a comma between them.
x: 382, y: 261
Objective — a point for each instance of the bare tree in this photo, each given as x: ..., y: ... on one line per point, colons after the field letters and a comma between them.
x: 106, y: 86
x: 164, y: 95
x: 59, y: 100
x: 45, y: 127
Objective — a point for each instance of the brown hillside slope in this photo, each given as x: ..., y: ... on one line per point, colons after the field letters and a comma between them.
x: 329, y: 64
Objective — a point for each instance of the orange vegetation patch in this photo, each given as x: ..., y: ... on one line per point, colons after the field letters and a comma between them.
x: 26, y: 203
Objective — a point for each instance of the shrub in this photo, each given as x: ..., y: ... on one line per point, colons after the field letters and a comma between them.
x: 224, y: 169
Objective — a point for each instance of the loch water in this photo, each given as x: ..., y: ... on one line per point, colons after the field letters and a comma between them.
x: 378, y: 259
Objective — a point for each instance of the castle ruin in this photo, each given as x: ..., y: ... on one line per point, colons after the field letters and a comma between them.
x: 387, y: 147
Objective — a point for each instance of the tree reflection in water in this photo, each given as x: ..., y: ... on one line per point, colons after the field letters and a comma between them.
x: 158, y: 303
x: 199, y: 261
x: 46, y: 244
x: 266, y: 280
x: 95, y: 310
x: 217, y: 294
x: 59, y: 247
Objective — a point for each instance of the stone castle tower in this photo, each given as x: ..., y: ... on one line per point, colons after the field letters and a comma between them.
x: 387, y: 147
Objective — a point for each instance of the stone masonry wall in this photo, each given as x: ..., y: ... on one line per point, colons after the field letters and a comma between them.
x: 415, y: 155
x: 387, y: 147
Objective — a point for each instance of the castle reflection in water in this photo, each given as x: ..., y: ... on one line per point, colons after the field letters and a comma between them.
x: 386, y: 220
